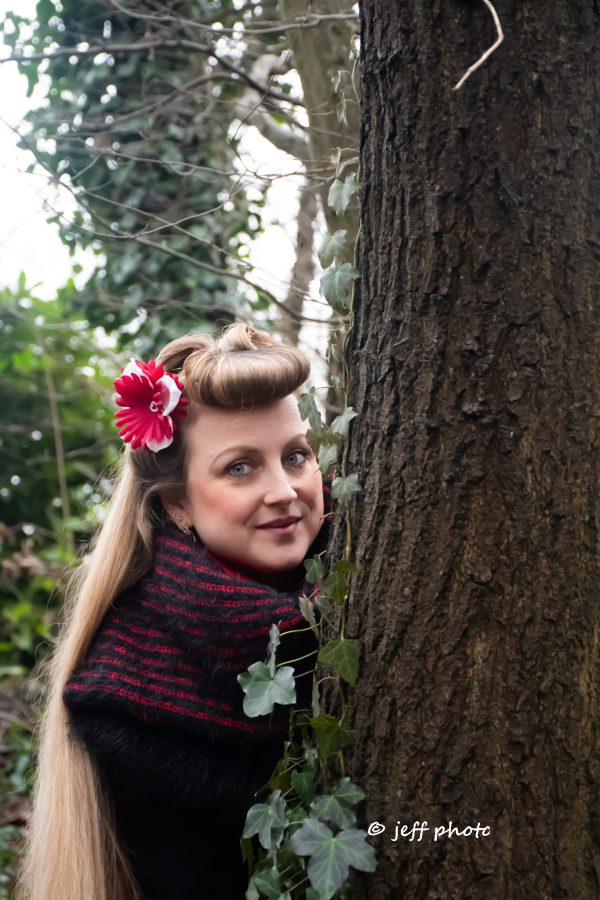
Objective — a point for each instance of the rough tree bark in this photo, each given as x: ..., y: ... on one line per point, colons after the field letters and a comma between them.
x: 474, y: 361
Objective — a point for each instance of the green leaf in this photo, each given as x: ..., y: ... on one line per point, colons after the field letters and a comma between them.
x: 335, y: 282
x: 315, y: 700
x: 330, y: 246
x: 332, y: 855
x: 349, y: 793
x: 267, y: 820
x: 307, y: 404
x: 330, y: 735
x: 274, y: 642
x: 327, y: 809
x: 268, y: 883
x: 337, y: 806
x: 328, y: 454
x: 343, y: 489
x: 341, y: 423
x: 341, y: 192
x: 303, y: 783
x: 296, y: 816
x: 342, y: 656
x: 336, y: 583
x: 324, y: 604
x: 315, y: 570
x: 308, y: 610
x: 263, y: 690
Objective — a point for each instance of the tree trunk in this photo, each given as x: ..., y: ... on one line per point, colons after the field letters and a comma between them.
x: 319, y: 53
x: 475, y: 370
x: 304, y: 267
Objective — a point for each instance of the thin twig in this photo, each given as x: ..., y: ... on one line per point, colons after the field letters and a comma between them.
x: 488, y: 52
x: 140, y: 47
x: 307, y: 21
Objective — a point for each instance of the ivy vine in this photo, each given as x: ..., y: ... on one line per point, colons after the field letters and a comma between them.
x: 307, y: 835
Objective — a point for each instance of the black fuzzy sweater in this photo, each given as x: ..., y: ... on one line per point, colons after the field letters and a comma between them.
x: 156, y: 701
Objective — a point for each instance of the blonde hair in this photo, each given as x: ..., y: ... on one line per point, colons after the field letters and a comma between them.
x: 72, y: 849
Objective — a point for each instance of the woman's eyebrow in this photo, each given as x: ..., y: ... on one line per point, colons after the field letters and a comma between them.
x: 245, y: 448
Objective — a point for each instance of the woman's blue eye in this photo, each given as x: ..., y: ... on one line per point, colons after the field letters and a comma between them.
x: 304, y: 454
x: 234, y: 466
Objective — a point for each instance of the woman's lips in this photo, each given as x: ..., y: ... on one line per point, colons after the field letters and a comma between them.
x: 281, y: 529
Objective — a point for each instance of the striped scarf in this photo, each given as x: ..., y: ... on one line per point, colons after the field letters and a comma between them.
x: 170, y: 647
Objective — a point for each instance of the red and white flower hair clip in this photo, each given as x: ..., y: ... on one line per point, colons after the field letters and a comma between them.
x: 151, y: 399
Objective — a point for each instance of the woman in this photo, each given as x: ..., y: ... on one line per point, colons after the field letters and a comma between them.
x: 147, y: 762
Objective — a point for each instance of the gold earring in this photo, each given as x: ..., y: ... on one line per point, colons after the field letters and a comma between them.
x: 185, y: 528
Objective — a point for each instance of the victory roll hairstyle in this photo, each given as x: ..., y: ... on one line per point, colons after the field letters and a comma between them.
x: 72, y: 850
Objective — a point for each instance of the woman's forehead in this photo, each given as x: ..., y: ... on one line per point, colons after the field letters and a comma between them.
x: 215, y: 429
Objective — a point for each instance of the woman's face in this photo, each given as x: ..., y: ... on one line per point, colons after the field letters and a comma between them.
x: 244, y: 470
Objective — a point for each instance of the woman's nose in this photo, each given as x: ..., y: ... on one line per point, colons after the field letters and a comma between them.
x: 278, y: 488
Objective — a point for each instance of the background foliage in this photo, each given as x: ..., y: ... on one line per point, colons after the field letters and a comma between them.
x: 137, y: 118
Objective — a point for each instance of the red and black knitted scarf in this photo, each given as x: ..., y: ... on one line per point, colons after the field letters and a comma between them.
x: 170, y: 647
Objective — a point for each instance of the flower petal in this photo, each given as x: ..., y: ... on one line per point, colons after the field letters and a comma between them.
x: 170, y: 394
x: 160, y: 443
x: 134, y: 366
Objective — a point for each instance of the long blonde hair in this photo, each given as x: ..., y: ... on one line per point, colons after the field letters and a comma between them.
x: 72, y: 850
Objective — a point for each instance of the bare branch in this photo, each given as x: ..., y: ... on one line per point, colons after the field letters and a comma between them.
x: 310, y: 20
x: 488, y: 52
x: 251, y: 113
x: 141, y: 47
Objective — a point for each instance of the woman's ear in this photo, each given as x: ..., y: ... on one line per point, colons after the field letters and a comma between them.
x: 175, y: 507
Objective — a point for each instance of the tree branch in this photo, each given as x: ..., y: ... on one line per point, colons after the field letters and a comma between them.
x: 141, y: 47
x: 488, y: 52
x: 310, y: 20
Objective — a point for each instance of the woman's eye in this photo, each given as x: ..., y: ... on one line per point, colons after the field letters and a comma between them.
x: 237, y: 466
x: 303, y: 454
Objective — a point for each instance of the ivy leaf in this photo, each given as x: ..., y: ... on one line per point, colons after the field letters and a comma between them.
x: 296, y: 816
x: 340, y: 193
x: 330, y: 246
x: 343, y: 489
x: 307, y: 404
x: 268, y: 883
x: 303, y: 783
x: 337, y: 807
x: 341, y: 423
x: 332, y: 855
x: 274, y: 642
x: 267, y: 820
x: 327, y: 809
x: 342, y: 656
x: 315, y: 570
x: 349, y: 793
x: 308, y: 610
x: 336, y: 583
x: 330, y: 735
x: 324, y: 604
x: 315, y: 700
x: 328, y: 454
x: 263, y: 690
x: 335, y: 282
